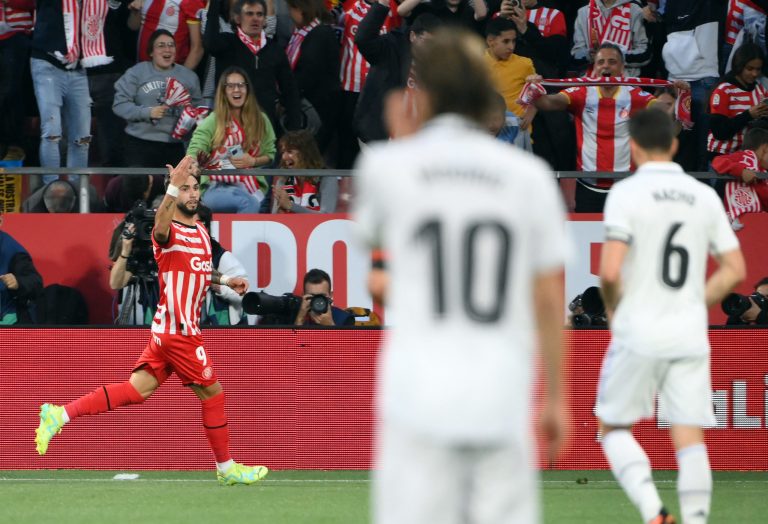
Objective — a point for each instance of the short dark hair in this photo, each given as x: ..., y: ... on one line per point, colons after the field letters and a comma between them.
x: 237, y: 8
x: 754, y: 138
x: 762, y: 282
x: 154, y: 36
x: 425, y: 23
x: 498, y: 25
x: 450, y: 68
x: 745, y: 54
x: 317, y: 276
x: 652, y: 130
x: 610, y: 45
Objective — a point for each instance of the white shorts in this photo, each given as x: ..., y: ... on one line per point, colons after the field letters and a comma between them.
x: 629, y: 383
x: 418, y: 481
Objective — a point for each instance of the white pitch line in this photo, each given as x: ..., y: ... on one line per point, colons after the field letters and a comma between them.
x: 328, y: 481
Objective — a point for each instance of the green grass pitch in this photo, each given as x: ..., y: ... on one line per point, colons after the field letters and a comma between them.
x: 320, y: 497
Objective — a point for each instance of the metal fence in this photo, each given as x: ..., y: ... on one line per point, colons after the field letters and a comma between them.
x: 86, y: 172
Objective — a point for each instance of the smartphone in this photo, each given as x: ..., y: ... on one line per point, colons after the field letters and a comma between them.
x: 236, y: 151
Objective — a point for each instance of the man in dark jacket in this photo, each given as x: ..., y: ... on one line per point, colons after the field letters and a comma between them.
x: 266, y: 64
x: 20, y: 283
x: 390, y: 58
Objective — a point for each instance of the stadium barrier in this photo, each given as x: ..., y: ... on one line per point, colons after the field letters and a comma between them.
x: 302, y: 399
x: 277, y: 250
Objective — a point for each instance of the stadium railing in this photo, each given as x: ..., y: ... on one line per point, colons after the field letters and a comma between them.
x: 87, y: 172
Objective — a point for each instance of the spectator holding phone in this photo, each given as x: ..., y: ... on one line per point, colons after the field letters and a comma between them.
x: 237, y: 135
x: 736, y: 101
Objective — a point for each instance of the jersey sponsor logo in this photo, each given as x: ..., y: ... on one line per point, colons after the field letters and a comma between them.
x: 715, y: 100
x: 624, y: 113
x: 207, y: 372
x: 200, y: 265
x: 170, y: 11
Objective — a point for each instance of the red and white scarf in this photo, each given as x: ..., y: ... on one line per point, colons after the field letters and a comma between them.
x: 531, y: 92
x: 615, y: 27
x: 254, y: 45
x: 220, y: 159
x: 741, y: 198
x: 84, y: 33
x: 297, y: 38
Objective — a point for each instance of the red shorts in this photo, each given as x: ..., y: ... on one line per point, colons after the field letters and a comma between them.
x: 185, y: 356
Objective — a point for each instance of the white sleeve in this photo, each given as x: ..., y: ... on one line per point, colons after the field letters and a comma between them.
x: 550, y: 246
x: 369, y: 207
x: 617, y: 217
x: 721, y: 236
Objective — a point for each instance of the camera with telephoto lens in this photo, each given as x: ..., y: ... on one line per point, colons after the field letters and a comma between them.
x: 273, y: 310
x: 588, y: 309
x: 141, y: 262
x: 283, y: 309
x: 735, y: 305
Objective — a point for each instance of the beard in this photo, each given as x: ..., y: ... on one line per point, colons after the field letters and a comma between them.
x: 187, y: 212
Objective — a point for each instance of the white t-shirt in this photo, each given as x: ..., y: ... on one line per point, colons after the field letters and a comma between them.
x: 467, y: 222
x: 671, y: 222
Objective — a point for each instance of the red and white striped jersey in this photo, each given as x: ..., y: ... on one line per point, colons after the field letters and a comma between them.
x: 730, y: 100
x: 734, y: 21
x: 173, y: 15
x: 602, y: 126
x: 16, y: 16
x: 354, y: 68
x: 184, y: 266
x: 550, y: 22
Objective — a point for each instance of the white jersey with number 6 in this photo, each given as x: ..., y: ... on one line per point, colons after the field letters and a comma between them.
x: 670, y: 222
x: 467, y: 223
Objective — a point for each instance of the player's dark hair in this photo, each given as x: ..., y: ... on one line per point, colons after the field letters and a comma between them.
x: 754, y: 138
x: 609, y: 45
x: 425, y: 23
x: 317, y: 276
x: 154, y: 36
x: 762, y: 282
x: 205, y: 215
x: 450, y: 67
x: 652, y: 130
x: 745, y: 54
x: 498, y: 25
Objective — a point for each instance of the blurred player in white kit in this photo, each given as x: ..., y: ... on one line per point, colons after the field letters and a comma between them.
x: 475, y: 243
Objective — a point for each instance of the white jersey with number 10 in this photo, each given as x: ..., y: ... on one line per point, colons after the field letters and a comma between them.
x: 467, y: 223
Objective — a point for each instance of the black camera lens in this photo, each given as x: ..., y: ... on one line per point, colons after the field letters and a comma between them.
x: 319, y: 304
x: 581, y: 320
x: 735, y: 305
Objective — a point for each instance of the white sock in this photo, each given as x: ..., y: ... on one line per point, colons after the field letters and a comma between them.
x: 224, y: 466
x: 631, y: 467
x: 694, y: 483
x: 64, y: 416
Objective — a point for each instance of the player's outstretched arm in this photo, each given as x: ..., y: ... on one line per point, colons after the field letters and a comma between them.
x: 178, y: 177
x: 731, y: 272
x: 548, y: 307
x: 238, y: 284
x: 611, y: 260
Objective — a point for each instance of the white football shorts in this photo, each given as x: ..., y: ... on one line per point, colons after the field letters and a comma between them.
x: 418, y: 480
x: 629, y: 383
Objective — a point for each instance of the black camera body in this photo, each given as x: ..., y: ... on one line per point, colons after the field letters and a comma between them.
x: 141, y: 262
x: 283, y: 309
x: 735, y: 305
x: 588, y: 309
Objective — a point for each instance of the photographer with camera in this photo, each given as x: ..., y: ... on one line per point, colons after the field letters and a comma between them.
x: 315, y: 306
x: 588, y: 310
x: 134, y: 269
x: 748, y: 310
